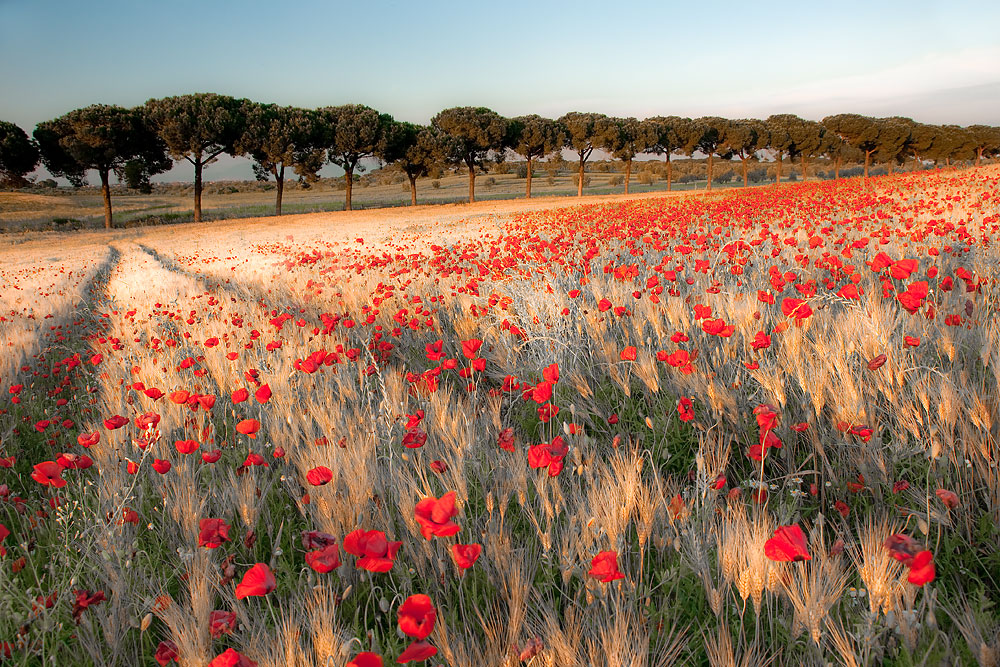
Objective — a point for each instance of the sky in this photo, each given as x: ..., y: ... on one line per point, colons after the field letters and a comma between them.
x: 935, y: 62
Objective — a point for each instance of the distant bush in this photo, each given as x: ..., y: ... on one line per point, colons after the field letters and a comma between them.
x: 615, y: 180
x: 758, y: 175
x: 67, y: 223
x: 522, y: 170
x: 725, y: 177
x: 490, y: 183
x: 687, y: 178
x: 47, y: 183
x: 576, y: 180
x: 436, y: 184
x: 647, y: 177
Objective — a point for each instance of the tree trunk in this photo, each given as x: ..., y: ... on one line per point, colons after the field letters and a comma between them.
x: 106, y: 192
x: 979, y: 155
x: 413, y: 190
x: 803, y: 166
x: 280, y: 178
x: 472, y: 183
x: 947, y: 161
x: 670, y: 173
x: 709, y: 174
x: 349, y: 182
x: 579, y: 186
x: 528, y: 193
x: 743, y: 161
x: 628, y: 173
x: 198, y: 166
x: 778, y: 173
x: 868, y: 155
x: 836, y: 168
x: 889, y: 163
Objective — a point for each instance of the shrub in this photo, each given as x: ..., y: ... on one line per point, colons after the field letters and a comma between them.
x: 617, y: 179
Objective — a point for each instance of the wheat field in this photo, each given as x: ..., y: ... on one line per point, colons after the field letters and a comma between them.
x: 751, y: 427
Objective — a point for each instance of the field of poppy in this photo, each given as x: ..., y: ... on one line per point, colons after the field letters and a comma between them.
x: 755, y: 427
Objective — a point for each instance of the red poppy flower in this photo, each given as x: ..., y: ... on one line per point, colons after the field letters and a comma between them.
x: 414, y: 438
x: 505, y: 440
x: 416, y: 616
x: 629, y: 353
x: 685, y: 409
x: 88, y: 439
x: 466, y: 555
x: 3, y: 535
x: 116, y: 422
x: 48, y: 473
x: 232, y: 658
x: 434, y: 516
x: 922, y: 569
x: 221, y: 623
x: 416, y: 651
x: 842, y: 508
x: 366, y: 659
x: 439, y: 466
x: 548, y: 455
x: 258, y: 580
x: 324, y: 560
x: 471, y: 347
x: 788, y: 544
x: 876, y: 363
x: 248, y: 427
x: 376, y: 554
x: 84, y: 599
x: 166, y: 653
x: 161, y: 466
x: 902, y: 547
x: 179, y: 397
x: 604, y: 567
x: 901, y: 485
x: 240, y: 395
x: 212, y: 456
x: 319, y: 476
x: 153, y: 393
x: 212, y: 533
x: 796, y: 308
x: 147, y: 420
x: 263, y: 393
x: 949, y: 498
x: 186, y: 446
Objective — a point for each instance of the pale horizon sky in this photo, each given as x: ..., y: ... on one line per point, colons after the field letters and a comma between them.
x: 930, y: 61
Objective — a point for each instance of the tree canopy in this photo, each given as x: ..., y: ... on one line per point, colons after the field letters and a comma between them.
x: 710, y: 131
x: 103, y: 138
x: 626, y: 138
x: 277, y: 137
x: 534, y: 137
x: 416, y: 149
x: 18, y: 155
x: 198, y: 128
x: 743, y: 138
x: 671, y: 134
x: 352, y: 133
x: 584, y: 133
x: 472, y: 134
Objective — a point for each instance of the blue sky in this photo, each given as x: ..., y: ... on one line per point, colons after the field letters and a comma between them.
x: 932, y: 61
